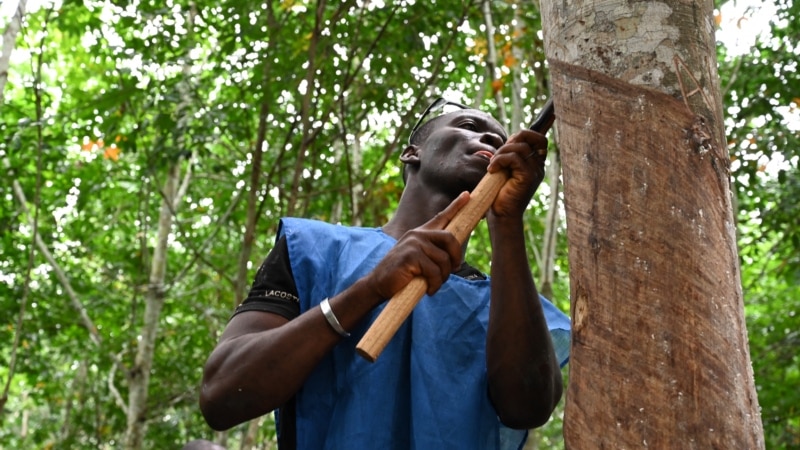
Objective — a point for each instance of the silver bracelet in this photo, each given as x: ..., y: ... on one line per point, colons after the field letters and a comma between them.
x: 332, y: 320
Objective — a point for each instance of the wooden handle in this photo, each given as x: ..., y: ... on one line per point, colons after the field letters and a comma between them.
x: 402, y: 303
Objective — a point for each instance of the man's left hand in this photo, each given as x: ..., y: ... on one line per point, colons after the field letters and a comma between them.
x: 523, y: 156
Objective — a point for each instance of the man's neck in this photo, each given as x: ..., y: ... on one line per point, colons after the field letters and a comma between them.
x: 415, y: 208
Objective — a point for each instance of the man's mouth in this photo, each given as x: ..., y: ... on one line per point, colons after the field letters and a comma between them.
x: 485, y: 153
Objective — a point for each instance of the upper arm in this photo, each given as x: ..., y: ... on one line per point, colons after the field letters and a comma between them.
x: 249, y: 322
x: 272, y: 300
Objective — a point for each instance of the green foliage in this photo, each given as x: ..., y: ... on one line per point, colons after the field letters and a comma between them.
x: 103, y: 98
x: 761, y: 99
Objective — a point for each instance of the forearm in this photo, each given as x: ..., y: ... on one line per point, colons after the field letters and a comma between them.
x: 524, y: 376
x: 254, y: 372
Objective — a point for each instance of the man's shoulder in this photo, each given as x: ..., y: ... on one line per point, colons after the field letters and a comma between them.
x: 304, y: 222
x: 297, y: 225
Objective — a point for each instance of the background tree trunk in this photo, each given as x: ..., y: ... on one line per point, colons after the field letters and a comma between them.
x: 172, y: 194
x: 495, y: 81
x: 139, y: 375
x: 660, y: 354
x: 9, y: 39
x: 550, y: 237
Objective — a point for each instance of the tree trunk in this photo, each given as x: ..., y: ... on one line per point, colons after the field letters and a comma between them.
x: 173, y: 192
x: 660, y: 354
x: 139, y: 375
x: 305, y: 112
x: 252, y: 205
x: 495, y: 83
x: 9, y: 39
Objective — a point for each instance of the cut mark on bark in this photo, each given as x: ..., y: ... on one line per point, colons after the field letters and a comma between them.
x: 581, y: 310
x: 679, y: 63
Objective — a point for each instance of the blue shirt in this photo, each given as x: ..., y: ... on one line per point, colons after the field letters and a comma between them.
x: 428, y: 390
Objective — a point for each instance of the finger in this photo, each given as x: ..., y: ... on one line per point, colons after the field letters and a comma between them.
x: 440, y: 246
x: 447, y: 251
x: 518, y: 155
x: 433, y: 275
x: 534, y: 141
x: 530, y: 137
x: 538, y: 152
x: 515, y: 159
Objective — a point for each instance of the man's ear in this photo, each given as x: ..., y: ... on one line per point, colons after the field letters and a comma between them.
x: 410, y: 155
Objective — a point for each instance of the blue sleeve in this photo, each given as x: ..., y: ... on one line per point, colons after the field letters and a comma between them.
x: 560, y: 330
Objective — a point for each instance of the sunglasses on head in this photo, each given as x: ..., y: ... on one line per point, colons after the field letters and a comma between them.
x: 437, y: 104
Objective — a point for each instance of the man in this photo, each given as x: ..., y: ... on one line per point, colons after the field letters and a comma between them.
x: 475, y: 361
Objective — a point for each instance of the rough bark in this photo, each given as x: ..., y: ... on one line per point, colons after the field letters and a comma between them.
x: 660, y: 355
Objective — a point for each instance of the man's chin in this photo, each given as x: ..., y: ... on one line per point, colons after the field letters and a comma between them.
x: 472, y: 178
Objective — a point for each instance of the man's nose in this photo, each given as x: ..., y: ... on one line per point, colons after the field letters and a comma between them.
x: 492, y: 139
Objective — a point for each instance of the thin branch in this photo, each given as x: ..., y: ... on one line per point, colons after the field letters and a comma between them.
x: 184, y: 186
x: 734, y: 76
x: 112, y: 388
x: 62, y: 277
x: 199, y: 251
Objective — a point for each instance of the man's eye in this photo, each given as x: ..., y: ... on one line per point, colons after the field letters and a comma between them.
x: 472, y: 126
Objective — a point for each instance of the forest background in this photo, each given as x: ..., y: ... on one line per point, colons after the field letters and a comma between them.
x: 149, y: 149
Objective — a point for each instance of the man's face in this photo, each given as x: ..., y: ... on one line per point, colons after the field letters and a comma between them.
x: 458, y: 149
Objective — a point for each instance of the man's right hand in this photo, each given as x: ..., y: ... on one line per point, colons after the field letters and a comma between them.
x: 427, y: 251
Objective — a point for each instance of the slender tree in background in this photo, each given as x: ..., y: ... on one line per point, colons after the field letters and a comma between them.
x: 9, y: 39
x: 660, y: 353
